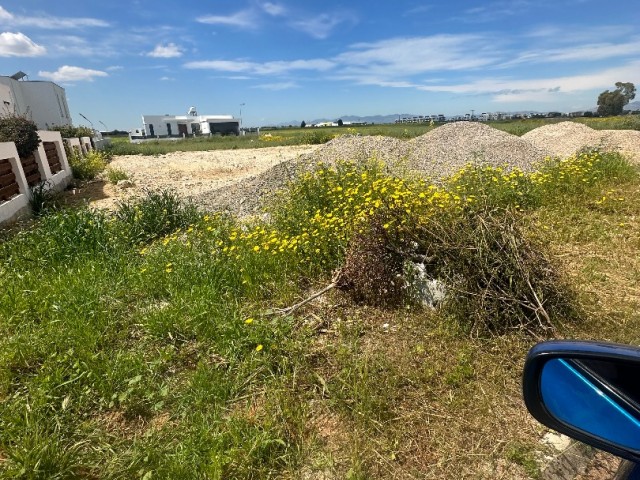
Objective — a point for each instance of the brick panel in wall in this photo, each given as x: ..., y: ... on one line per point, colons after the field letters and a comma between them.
x: 31, y: 170
x: 51, y: 152
x: 8, y: 184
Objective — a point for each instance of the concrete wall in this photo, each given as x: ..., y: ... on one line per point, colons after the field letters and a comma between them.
x: 74, y: 145
x: 6, y: 100
x: 58, y: 181
x: 43, y: 102
x: 85, y: 143
x: 18, y: 206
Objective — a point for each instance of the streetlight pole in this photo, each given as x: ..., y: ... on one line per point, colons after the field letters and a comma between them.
x: 92, y: 127
x: 241, y: 105
x: 106, y: 129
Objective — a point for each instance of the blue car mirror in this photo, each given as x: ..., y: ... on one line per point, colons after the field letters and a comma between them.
x: 587, y: 390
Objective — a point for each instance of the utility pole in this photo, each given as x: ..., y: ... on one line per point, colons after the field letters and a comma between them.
x: 472, y: 112
x: 241, y: 105
x: 106, y: 129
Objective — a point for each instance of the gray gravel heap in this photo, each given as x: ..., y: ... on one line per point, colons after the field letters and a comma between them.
x: 444, y: 150
x: 247, y: 196
x: 436, y: 154
x: 566, y: 138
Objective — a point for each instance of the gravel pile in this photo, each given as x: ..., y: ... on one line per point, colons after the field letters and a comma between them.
x: 436, y: 154
x: 443, y: 151
x: 626, y: 142
x: 247, y: 196
x: 564, y: 138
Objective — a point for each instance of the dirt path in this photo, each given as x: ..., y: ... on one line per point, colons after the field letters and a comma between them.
x: 188, y: 173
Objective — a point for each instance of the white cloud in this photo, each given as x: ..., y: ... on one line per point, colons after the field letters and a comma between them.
x: 277, y: 86
x: 170, y: 50
x: 321, y: 26
x: 273, y: 9
x: 584, y: 52
x: 241, y: 19
x: 167, y: 79
x: 49, y: 21
x: 504, y: 87
x: 266, y: 68
x: 68, y: 73
x: 19, y: 45
x: 398, y: 58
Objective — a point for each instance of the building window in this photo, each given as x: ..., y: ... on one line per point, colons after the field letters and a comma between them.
x: 169, y: 129
x: 151, y: 132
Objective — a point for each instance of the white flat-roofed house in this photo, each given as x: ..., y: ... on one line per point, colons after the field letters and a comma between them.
x: 43, y: 102
x: 180, y: 126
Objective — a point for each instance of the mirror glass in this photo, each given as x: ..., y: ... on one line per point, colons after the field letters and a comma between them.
x: 595, y: 396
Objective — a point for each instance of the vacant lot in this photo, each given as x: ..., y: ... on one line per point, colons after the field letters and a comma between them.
x: 155, y: 341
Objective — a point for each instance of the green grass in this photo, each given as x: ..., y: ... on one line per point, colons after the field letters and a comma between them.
x: 311, y: 136
x: 135, y: 346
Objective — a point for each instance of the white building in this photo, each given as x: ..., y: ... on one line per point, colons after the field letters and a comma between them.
x: 179, y: 126
x: 41, y: 101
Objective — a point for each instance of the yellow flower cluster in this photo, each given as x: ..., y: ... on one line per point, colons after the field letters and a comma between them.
x: 319, y: 212
x: 268, y: 137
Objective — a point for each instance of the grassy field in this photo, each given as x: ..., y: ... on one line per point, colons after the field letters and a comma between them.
x: 298, y: 136
x: 154, y: 342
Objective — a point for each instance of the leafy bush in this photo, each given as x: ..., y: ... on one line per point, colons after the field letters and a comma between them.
x: 69, y: 131
x: 88, y: 167
x: 21, y: 131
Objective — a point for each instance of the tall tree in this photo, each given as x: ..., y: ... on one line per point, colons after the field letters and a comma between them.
x: 612, y: 103
x: 303, y: 124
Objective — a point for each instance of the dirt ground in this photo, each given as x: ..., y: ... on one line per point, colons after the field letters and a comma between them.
x: 188, y: 173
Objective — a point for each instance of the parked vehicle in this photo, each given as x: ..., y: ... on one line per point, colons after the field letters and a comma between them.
x: 589, y: 391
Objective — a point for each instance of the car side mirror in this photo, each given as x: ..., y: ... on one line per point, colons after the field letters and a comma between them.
x: 589, y: 391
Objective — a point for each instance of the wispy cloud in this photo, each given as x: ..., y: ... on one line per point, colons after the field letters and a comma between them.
x: 504, y: 87
x: 167, y: 79
x: 321, y: 26
x: 266, y: 68
x: 170, y: 50
x: 273, y: 9
x: 19, y: 45
x: 50, y: 22
x: 241, y: 19
x: 490, y: 12
x: 590, y: 52
x: 400, y: 58
x: 277, y: 86
x: 68, y: 73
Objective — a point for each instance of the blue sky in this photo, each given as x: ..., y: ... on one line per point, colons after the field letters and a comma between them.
x: 292, y: 61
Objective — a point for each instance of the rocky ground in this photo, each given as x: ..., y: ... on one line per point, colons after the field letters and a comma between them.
x: 239, y: 180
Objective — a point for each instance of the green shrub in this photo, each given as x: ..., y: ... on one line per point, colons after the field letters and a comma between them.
x: 114, y: 175
x: 155, y: 215
x: 21, y: 131
x: 69, y: 131
x: 42, y: 198
x: 316, y: 138
x: 89, y: 166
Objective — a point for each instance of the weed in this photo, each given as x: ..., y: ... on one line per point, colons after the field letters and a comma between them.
x: 87, y: 167
x: 114, y: 175
x: 156, y: 214
x: 42, y: 198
